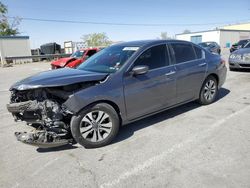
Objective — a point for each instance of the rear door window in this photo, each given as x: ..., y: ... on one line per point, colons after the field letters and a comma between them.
x: 199, y: 52
x: 183, y: 52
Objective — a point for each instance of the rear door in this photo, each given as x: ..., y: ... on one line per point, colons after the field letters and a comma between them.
x: 191, y: 67
x: 154, y: 90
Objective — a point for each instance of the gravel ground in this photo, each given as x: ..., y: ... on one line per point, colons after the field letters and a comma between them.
x: 189, y: 146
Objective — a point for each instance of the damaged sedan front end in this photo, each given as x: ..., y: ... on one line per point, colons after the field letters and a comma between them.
x: 39, y: 101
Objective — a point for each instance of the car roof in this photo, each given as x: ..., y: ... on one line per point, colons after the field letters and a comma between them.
x: 140, y: 43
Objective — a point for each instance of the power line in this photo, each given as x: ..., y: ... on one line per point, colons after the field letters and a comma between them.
x: 123, y: 24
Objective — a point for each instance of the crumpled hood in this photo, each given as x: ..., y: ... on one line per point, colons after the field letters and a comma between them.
x: 62, y: 61
x: 58, y: 77
x: 242, y: 51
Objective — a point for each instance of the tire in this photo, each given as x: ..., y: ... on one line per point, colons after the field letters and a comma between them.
x: 95, y: 126
x: 209, y: 91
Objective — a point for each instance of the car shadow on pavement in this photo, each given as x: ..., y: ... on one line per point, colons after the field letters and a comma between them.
x: 55, y: 149
x: 128, y: 130
x: 222, y: 93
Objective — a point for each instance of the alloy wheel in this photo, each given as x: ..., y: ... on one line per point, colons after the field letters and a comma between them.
x: 96, y: 126
x: 209, y: 90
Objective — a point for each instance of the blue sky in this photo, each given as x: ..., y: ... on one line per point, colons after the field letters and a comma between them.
x: 126, y: 11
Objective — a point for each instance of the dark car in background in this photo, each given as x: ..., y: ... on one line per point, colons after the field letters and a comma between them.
x: 211, y: 46
x: 239, y: 45
x: 116, y: 86
x: 240, y: 59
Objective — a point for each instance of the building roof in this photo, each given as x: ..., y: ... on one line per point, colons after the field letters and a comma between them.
x: 230, y: 30
x: 14, y: 37
x: 240, y: 26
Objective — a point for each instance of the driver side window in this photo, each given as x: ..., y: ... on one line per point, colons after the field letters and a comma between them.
x: 154, y: 57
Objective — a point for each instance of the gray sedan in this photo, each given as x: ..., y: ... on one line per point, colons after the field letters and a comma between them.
x: 120, y: 84
x: 240, y: 59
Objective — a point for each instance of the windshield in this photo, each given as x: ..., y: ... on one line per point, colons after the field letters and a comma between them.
x: 242, y: 42
x: 247, y: 45
x: 109, y: 60
x: 77, y: 54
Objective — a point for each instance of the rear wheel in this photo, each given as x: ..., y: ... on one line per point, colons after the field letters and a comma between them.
x: 95, y: 126
x: 208, y: 91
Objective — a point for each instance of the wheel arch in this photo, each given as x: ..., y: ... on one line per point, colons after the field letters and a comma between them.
x: 111, y: 103
x: 215, y: 76
x: 210, y: 74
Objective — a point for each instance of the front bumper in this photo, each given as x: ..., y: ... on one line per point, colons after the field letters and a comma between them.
x: 22, y: 107
x: 239, y: 64
x: 41, y: 139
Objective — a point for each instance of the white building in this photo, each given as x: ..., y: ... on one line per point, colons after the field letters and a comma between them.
x: 12, y: 46
x: 224, y: 37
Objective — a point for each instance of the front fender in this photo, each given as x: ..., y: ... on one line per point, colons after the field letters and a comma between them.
x: 112, y: 92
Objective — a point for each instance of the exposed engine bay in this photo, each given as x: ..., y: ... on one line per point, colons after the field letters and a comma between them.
x: 43, y: 109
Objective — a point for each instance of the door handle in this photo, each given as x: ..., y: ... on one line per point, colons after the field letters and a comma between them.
x: 170, y: 73
x: 202, y: 64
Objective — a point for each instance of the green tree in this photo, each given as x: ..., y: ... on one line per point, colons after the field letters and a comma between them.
x: 7, y: 28
x: 96, y: 39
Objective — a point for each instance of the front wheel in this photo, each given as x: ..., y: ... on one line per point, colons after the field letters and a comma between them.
x: 95, y: 126
x: 208, y: 91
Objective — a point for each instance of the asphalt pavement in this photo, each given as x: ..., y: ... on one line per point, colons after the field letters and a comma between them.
x: 188, y: 146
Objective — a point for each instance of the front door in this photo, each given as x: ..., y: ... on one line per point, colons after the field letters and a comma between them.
x: 154, y: 90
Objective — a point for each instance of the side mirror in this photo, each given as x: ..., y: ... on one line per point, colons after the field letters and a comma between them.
x: 138, y: 70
